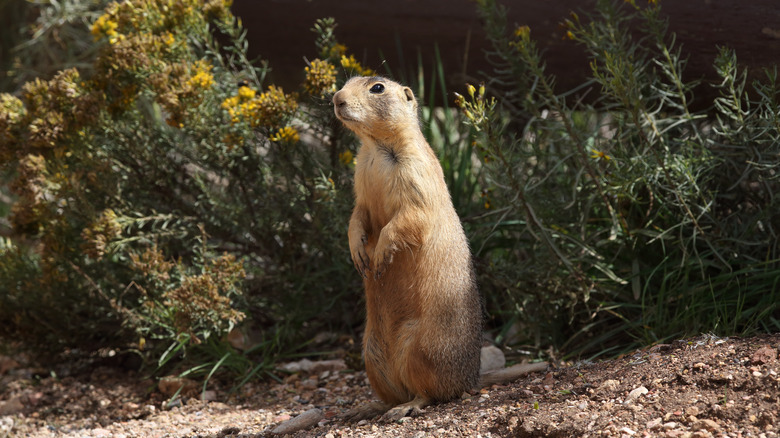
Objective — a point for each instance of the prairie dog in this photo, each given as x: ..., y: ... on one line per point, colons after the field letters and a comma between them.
x: 423, y: 313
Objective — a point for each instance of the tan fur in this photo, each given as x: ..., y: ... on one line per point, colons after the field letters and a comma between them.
x: 423, y: 315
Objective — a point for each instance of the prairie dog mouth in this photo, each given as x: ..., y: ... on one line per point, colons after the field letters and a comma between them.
x: 342, y: 114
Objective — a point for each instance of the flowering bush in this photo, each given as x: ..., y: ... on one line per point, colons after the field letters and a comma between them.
x: 171, y: 194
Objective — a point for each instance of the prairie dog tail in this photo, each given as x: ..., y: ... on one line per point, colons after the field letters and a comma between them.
x: 506, y: 375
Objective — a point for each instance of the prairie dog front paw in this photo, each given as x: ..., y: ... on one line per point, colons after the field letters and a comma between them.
x: 357, y: 248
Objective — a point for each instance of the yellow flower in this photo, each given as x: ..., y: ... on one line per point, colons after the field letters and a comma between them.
x: 522, y: 38
x: 523, y: 32
x: 168, y: 39
x: 104, y: 26
x: 288, y: 134
x: 202, y: 77
x: 599, y: 155
x: 246, y: 93
x: 241, y: 105
x: 337, y: 51
x: 347, y: 157
x: 351, y: 65
x: 320, y: 77
x: 271, y: 109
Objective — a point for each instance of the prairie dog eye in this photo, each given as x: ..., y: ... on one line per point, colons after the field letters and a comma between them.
x: 377, y: 89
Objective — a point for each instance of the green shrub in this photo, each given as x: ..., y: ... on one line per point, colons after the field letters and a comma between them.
x: 165, y: 192
x: 628, y: 218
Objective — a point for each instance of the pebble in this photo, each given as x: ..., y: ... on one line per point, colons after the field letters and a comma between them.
x: 706, y: 424
x: 763, y: 355
x: 101, y: 433
x: 654, y: 424
x: 208, y: 395
x: 608, y: 385
x: 491, y: 358
x: 283, y: 417
x: 635, y: 394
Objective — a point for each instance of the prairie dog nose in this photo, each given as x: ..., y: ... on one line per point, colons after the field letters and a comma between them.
x: 338, y: 99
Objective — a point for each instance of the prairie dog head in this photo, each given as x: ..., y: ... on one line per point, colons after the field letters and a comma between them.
x: 376, y: 107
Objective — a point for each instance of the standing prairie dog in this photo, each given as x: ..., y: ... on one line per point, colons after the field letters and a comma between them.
x: 423, y: 314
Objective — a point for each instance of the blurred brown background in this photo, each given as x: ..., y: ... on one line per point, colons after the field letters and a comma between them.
x: 396, y: 30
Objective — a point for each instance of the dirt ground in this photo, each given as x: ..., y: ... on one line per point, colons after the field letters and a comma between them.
x: 701, y: 387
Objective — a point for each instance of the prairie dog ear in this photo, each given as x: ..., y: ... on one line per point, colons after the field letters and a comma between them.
x: 408, y: 93
x: 410, y: 96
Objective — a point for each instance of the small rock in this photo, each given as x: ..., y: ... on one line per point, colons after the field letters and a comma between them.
x: 309, y: 384
x: 208, y: 395
x: 302, y: 421
x: 706, y: 424
x: 491, y: 358
x: 627, y: 431
x: 654, y: 424
x: 101, y: 433
x: 670, y: 425
x: 763, y: 355
x: 282, y: 418
x: 608, y: 385
x: 635, y: 394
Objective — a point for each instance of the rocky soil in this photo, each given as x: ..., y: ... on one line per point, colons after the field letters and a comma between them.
x: 701, y: 387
